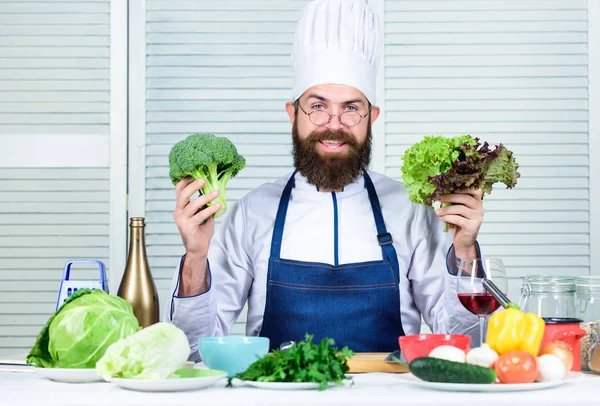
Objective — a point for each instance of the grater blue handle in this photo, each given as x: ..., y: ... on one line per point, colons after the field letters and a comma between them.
x: 67, y: 287
x: 67, y: 270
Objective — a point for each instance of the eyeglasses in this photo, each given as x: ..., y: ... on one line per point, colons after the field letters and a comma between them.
x: 347, y: 118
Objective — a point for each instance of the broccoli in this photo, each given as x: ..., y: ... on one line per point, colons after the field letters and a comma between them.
x: 205, y: 156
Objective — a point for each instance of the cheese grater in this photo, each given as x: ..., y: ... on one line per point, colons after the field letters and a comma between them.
x: 69, y: 286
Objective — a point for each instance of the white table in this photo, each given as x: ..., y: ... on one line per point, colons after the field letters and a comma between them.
x: 369, y: 389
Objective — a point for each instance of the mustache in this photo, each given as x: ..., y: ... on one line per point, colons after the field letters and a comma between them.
x: 333, y: 136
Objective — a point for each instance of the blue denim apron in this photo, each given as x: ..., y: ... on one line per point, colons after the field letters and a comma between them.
x: 356, y: 304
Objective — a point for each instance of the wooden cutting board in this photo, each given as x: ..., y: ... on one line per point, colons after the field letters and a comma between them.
x: 373, y: 362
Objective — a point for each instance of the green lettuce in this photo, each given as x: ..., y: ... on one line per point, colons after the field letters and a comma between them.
x: 439, y: 165
x: 155, y: 352
x: 427, y: 159
x: 80, y: 331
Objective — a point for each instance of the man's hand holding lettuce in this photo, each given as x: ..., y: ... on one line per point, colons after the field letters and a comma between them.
x: 439, y: 166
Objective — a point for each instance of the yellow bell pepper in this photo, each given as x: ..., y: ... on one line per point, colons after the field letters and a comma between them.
x: 511, y: 329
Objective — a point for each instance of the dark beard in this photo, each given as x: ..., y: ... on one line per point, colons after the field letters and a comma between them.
x: 330, y: 172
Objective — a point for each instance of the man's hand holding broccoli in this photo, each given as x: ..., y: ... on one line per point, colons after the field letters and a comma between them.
x: 200, y: 163
x: 204, y: 156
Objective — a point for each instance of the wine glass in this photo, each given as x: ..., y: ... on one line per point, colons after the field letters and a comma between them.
x: 471, y: 293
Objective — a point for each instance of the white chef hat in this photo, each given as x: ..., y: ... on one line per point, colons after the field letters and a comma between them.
x: 337, y: 42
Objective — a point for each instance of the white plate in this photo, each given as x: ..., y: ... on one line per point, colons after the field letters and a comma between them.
x: 284, y: 385
x: 70, y: 375
x: 172, y: 384
x: 465, y: 387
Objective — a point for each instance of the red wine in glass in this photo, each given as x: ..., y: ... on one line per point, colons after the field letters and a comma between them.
x: 479, y: 303
x: 471, y: 292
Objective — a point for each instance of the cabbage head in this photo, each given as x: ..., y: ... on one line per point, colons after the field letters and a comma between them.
x: 152, y: 353
x: 79, y: 332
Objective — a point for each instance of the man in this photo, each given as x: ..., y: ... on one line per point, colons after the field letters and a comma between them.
x: 332, y: 249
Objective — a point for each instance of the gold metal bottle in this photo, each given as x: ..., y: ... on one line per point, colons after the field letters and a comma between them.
x: 137, y: 285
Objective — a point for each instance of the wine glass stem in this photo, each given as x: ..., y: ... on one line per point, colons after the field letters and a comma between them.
x: 481, y: 329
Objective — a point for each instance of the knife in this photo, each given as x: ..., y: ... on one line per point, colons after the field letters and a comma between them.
x: 286, y: 345
x: 390, y: 357
x: 495, y: 291
x: 13, y: 362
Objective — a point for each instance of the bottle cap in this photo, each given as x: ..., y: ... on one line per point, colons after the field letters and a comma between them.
x: 136, y: 221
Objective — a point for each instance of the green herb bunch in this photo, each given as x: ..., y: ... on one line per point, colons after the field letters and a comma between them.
x: 304, y: 361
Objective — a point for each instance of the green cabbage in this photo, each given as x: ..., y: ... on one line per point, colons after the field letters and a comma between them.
x: 80, y: 331
x: 155, y: 352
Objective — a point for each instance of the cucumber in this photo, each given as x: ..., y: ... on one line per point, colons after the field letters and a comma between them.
x: 440, y: 370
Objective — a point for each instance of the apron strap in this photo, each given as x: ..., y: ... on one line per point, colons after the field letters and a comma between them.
x: 384, y: 238
x: 280, y: 219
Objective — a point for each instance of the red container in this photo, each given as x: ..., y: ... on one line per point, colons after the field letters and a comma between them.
x: 568, y: 330
x: 420, y: 345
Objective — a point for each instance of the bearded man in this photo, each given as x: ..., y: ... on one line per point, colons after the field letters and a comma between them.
x: 332, y: 249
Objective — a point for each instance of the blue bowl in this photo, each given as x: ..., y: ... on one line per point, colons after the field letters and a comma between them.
x: 233, y: 354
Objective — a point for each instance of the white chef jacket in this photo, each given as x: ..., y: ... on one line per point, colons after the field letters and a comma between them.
x: 240, y: 249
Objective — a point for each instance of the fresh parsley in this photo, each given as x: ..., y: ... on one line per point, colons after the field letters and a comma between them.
x: 304, y: 361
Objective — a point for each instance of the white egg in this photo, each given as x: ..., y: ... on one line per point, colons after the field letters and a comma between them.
x: 449, y: 353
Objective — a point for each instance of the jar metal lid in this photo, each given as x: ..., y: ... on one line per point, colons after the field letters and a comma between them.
x: 544, y: 283
x: 588, y: 281
x: 561, y: 320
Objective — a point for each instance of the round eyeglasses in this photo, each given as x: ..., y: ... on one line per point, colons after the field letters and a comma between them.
x: 347, y: 118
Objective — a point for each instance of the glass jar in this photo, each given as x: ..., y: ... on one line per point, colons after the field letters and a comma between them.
x: 587, y: 340
x: 593, y: 358
x: 588, y: 298
x: 548, y: 296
